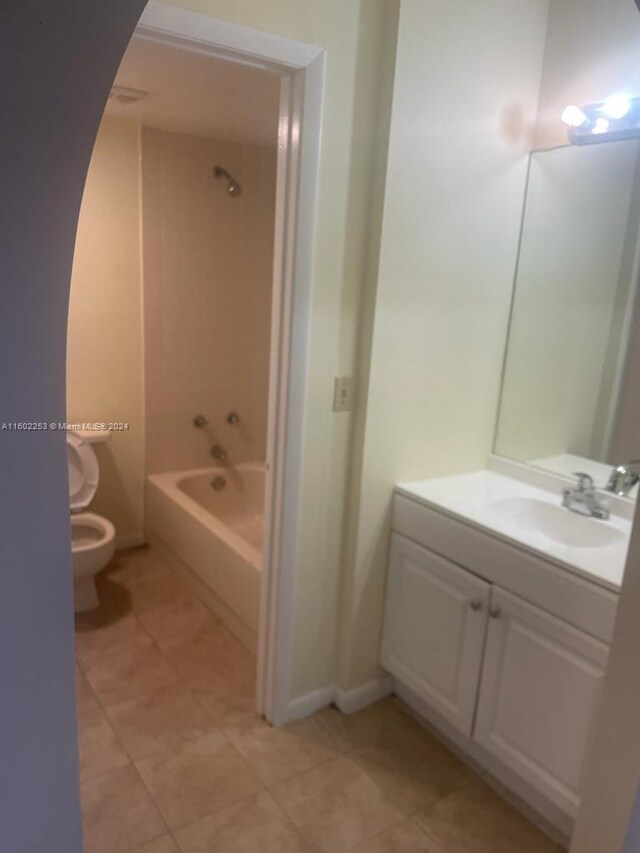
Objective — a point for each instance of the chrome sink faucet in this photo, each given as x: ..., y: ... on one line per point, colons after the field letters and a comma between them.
x: 583, y: 499
x: 623, y: 478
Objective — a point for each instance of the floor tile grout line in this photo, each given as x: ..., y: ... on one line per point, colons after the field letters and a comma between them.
x: 153, y: 800
x: 179, y: 678
x: 104, y: 709
x: 222, y: 725
x: 174, y: 830
x: 297, y: 772
x: 346, y: 754
x: 395, y: 800
x: 417, y: 826
x: 288, y: 820
x: 265, y: 791
x: 270, y: 786
x: 139, y: 844
x: 113, y: 731
x: 370, y: 838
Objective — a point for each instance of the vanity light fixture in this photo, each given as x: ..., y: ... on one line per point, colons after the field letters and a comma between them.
x: 617, y: 106
x: 617, y: 118
x: 602, y: 125
x: 574, y: 117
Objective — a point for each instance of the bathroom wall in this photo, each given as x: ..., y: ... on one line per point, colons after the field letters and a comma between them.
x: 592, y: 51
x: 465, y: 96
x: 104, y: 348
x: 41, y: 57
x: 207, y: 296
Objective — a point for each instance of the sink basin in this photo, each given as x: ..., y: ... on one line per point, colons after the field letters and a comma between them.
x: 556, y: 523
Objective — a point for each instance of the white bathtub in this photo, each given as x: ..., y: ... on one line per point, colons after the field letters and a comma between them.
x: 216, y: 533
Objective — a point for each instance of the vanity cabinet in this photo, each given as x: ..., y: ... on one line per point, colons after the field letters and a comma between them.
x: 514, y: 685
x: 541, y: 681
x: 435, y: 629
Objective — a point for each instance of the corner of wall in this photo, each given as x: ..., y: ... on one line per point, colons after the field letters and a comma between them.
x: 387, y: 47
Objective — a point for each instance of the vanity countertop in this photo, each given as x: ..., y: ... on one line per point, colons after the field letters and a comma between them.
x: 477, y: 499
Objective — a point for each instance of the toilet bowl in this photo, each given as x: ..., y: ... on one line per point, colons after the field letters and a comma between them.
x: 92, y: 537
x: 93, y: 543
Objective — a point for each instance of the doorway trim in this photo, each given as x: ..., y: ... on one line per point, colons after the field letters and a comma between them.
x: 301, y: 70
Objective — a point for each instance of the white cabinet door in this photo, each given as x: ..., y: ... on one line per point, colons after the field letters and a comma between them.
x: 435, y: 623
x: 540, y: 687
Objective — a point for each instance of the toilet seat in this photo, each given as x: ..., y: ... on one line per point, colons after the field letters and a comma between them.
x: 84, y: 472
x: 102, y: 527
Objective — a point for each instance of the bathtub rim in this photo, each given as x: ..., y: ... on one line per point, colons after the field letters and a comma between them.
x: 168, y: 482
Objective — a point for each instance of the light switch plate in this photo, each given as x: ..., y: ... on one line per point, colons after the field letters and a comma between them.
x: 343, y: 394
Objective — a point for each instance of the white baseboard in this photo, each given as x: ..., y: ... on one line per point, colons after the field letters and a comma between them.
x: 308, y: 704
x: 351, y: 701
x: 348, y: 701
x: 134, y: 540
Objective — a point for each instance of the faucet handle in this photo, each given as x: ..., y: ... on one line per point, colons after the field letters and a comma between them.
x: 585, y: 481
x: 623, y: 478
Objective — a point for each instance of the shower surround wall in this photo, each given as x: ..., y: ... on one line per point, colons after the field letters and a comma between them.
x: 207, y: 297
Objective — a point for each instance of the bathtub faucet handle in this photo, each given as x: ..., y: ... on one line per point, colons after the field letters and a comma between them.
x: 233, y: 418
x: 200, y: 421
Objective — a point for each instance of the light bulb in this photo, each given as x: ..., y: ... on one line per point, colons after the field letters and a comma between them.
x: 602, y: 126
x: 574, y: 116
x: 617, y: 106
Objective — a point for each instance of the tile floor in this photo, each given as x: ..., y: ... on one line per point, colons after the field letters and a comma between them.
x: 173, y: 758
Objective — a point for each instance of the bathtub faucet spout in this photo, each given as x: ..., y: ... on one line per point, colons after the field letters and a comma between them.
x: 219, y: 453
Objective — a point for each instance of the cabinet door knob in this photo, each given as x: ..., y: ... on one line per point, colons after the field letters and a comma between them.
x: 476, y: 604
x: 494, y: 612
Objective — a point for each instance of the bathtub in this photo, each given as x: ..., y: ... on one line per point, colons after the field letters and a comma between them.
x: 217, y: 534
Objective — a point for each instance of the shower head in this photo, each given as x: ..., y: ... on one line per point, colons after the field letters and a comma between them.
x: 233, y: 187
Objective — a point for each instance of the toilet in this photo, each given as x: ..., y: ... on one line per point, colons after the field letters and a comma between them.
x: 92, y: 537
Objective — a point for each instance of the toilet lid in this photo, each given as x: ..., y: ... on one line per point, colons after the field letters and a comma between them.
x: 84, y: 472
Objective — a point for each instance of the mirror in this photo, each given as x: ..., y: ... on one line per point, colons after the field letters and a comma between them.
x: 570, y: 390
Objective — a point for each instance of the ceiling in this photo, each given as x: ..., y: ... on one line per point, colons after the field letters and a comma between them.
x: 200, y: 95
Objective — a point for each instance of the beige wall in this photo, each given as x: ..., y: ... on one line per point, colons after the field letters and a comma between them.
x: 593, y: 51
x: 104, y: 350
x: 466, y: 90
x: 207, y: 295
